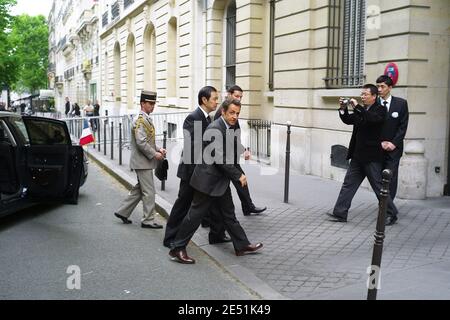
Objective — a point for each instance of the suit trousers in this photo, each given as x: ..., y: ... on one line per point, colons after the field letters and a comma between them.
x: 244, y: 196
x: 246, y: 204
x: 353, y: 179
x: 392, y: 164
x: 179, y: 210
x: 144, y: 190
x: 219, y: 208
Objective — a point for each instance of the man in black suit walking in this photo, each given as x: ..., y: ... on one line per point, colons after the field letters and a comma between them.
x: 248, y: 207
x: 364, y: 151
x: 67, y: 107
x: 194, y: 127
x: 394, y: 129
x: 211, y: 181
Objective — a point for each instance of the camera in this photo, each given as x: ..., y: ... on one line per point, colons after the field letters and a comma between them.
x: 346, y: 102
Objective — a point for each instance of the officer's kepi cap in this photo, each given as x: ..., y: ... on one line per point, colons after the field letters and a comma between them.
x: 148, y: 96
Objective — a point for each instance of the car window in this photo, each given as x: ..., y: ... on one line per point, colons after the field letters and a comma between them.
x: 20, y: 128
x: 4, y: 136
x: 43, y: 132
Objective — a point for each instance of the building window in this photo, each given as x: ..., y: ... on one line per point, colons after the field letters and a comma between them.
x: 131, y: 71
x: 150, y: 58
x: 115, y: 10
x: 230, y: 63
x: 105, y: 19
x: 127, y: 3
x: 346, y: 41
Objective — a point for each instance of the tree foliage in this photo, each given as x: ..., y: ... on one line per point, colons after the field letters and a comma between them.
x: 29, y: 41
x: 8, y: 65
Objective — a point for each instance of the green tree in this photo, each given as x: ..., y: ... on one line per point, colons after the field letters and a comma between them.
x: 29, y: 40
x: 8, y: 65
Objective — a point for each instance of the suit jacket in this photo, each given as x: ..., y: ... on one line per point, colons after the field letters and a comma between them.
x: 395, y: 126
x: 214, y: 179
x: 143, y: 147
x: 365, y: 143
x: 67, y: 107
x: 188, y: 161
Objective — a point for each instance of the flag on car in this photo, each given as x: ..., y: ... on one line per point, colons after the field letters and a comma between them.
x: 86, y: 134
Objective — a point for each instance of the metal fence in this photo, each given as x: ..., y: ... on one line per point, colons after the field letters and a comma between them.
x: 114, y: 131
x: 258, y: 136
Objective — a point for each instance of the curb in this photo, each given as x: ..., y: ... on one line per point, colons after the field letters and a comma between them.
x: 241, y: 274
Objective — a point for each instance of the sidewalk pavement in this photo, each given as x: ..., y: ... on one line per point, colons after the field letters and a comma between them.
x: 306, y: 256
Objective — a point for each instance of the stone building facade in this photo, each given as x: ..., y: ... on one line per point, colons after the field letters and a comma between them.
x: 293, y: 58
x: 74, y: 51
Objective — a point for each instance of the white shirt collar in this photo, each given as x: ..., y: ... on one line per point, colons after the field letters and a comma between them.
x: 144, y: 114
x: 204, y: 112
x: 226, y: 124
x: 388, y: 100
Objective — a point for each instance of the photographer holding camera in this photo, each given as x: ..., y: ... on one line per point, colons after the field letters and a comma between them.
x: 364, y: 151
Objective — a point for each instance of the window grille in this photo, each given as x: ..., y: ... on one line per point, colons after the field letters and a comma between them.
x: 346, y: 42
x: 230, y: 63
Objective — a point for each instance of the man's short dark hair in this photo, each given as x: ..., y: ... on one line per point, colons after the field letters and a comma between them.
x: 205, y: 92
x: 227, y: 103
x: 373, y: 89
x: 386, y: 79
x: 234, y: 88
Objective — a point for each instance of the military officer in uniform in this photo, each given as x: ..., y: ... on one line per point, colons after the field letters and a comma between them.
x: 144, y: 158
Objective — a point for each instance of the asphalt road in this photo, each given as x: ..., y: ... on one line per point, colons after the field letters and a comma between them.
x: 43, y: 250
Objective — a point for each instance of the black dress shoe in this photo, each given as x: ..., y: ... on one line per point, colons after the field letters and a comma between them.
x: 215, y: 240
x: 336, y: 218
x: 251, y: 248
x: 180, y: 255
x: 254, y: 210
x: 151, y: 225
x: 124, y: 220
x: 390, y: 220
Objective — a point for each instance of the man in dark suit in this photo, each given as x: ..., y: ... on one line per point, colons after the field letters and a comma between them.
x: 67, y: 107
x: 194, y: 127
x: 211, y: 181
x: 248, y: 207
x: 364, y: 151
x: 394, y: 129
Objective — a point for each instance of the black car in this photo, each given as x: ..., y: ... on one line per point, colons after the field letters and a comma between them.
x: 38, y: 162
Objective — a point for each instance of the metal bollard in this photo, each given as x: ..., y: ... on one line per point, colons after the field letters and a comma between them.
x: 120, y: 143
x: 112, y: 140
x: 99, y: 135
x: 375, y: 268
x: 104, y: 137
x: 163, y: 183
x: 257, y: 141
x: 287, y: 165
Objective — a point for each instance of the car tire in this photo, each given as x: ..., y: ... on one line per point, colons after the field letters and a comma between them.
x: 73, y: 199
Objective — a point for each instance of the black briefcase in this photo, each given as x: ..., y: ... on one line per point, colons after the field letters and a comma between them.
x: 161, y: 170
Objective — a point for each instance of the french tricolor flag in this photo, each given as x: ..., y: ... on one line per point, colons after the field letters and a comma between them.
x: 86, y: 134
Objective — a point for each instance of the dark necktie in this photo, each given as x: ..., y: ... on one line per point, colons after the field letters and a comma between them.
x: 385, y: 103
x: 208, y: 119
